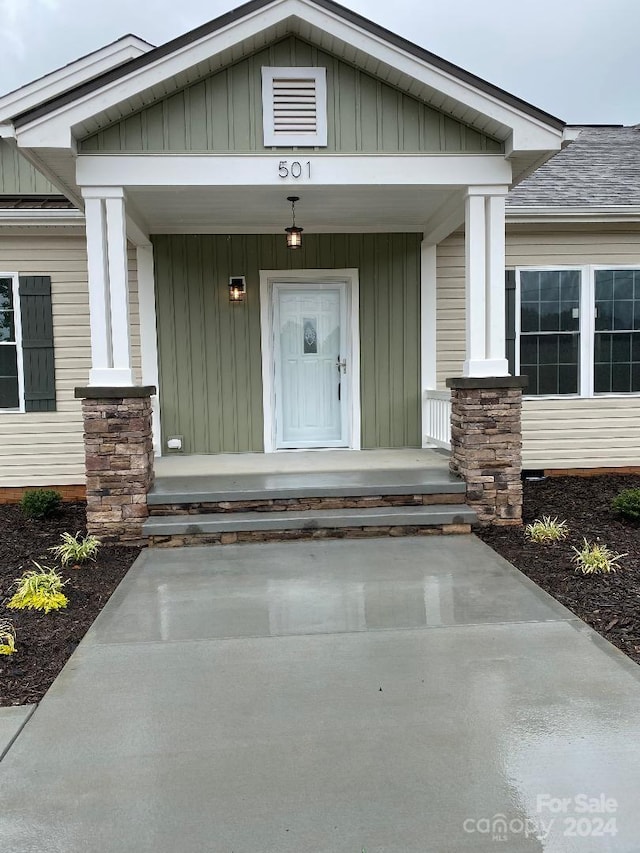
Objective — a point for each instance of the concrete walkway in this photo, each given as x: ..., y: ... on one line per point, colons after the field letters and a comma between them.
x: 396, y: 696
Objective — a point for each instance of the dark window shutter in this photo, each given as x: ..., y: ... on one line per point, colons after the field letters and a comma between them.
x: 510, y: 309
x: 37, y: 343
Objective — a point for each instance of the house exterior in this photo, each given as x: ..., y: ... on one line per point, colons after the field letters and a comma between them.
x: 144, y: 269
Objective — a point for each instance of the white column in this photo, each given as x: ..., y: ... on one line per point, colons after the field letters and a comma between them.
x: 108, y: 287
x: 484, y: 283
x: 148, y: 333
x: 118, y: 283
x: 99, y: 308
x: 474, y: 277
x: 428, y: 341
x: 495, y: 285
x: 428, y: 306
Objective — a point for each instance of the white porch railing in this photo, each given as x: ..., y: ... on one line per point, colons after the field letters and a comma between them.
x: 436, y: 409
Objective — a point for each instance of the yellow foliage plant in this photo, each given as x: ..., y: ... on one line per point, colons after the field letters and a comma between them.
x: 39, y: 590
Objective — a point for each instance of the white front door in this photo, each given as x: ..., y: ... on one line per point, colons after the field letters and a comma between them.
x: 311, y: 365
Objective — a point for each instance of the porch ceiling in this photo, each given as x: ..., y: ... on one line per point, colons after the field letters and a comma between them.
x: 266, y: 209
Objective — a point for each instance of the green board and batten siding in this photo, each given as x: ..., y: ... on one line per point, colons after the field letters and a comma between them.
x: 223, y: 113
x: 18, y: 176
x: 209, y: 349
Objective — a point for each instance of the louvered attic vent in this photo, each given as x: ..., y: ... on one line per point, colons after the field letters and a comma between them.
x: 294, y: 106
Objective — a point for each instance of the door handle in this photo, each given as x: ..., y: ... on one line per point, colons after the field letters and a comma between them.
x: 341, y: 365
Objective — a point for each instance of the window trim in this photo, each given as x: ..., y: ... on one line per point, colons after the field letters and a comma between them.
x: 587, y: 328
x: 271, y: 139
x: 17, y: 322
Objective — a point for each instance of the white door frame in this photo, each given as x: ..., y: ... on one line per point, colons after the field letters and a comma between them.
x: 350, y: 278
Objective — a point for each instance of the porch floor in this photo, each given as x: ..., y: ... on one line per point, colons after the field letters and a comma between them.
x: 251, y: 476
x: 303, y: 461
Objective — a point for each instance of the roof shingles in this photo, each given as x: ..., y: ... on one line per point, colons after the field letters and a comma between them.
x: 35, y: 202
x: 601, y: 168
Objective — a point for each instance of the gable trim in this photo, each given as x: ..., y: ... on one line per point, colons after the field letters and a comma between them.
x: 250, y: 9
x: 70, y: 76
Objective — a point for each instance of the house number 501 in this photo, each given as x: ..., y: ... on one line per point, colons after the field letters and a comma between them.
x: 294, y: 169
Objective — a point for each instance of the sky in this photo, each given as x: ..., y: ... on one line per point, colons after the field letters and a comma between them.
x: 576, y: 59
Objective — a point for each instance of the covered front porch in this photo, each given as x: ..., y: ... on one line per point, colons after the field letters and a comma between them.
x: 332, y: 347
x: 239, y: 375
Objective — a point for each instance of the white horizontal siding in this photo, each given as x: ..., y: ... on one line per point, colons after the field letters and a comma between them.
x: 46, y: 448
x: 134, y: 317
x: 567, y: 433
x: 595, y: 433
x: 572, y: 247
x: 450, y: 308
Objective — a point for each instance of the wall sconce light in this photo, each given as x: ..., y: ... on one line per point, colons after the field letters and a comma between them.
x: 294, y: 234
x: 237, y: 288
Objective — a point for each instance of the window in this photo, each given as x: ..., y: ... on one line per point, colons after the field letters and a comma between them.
x: 294, y: 106
x: 549, y: 330
x: 577, y: 330
x: 617, y: 332
x: 10, y: 379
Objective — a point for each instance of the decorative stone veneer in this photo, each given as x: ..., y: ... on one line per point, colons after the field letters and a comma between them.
x: 119, y: 460
x: 486, y: 445
x: 232, y: 538
x: 303, y: 504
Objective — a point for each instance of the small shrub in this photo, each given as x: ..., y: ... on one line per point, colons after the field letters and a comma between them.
x: 546, y: 530
x: 7, y: 638
x: 39, y: 590
x: 40, y: 503
x: 627, y: 503
x: 595, y: 559
x: 75, y: 550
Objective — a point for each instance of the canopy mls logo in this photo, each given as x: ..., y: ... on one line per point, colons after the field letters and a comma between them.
x: 579, y: 816
x: 501, y: 828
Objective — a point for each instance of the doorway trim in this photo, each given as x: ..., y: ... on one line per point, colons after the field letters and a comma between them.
x: 350, y: 278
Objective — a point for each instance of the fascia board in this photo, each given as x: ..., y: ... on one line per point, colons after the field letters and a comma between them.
x: 65, y: 78
x: 27, y: 217
x: 604, y: 213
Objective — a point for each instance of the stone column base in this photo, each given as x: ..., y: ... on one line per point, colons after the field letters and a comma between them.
x: 486, y: 445
x: 119, y: 460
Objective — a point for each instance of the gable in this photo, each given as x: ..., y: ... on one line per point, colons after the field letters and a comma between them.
x: 18, y: 176
x: 223, y: 113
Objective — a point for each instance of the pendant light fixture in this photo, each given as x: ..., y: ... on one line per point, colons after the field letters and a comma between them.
x: 294, y: 234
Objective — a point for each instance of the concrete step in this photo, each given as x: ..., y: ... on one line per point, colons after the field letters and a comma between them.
x: 334, y: 484
x: 435, y: 515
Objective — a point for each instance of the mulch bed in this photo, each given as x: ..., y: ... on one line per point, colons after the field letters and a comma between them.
x: 44, y: 642
x: 609, y: 603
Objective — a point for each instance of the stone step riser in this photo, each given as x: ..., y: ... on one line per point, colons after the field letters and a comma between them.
x: 228, y: 528
x: 302, y: 504
x: 243, y: 537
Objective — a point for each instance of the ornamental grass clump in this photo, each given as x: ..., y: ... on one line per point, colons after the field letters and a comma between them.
x: 7, y: 638
x: 546, y: 530
x: 627, y: 503
x: 39, y: 590
x: 76, y: 549
x: 595, y: 559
